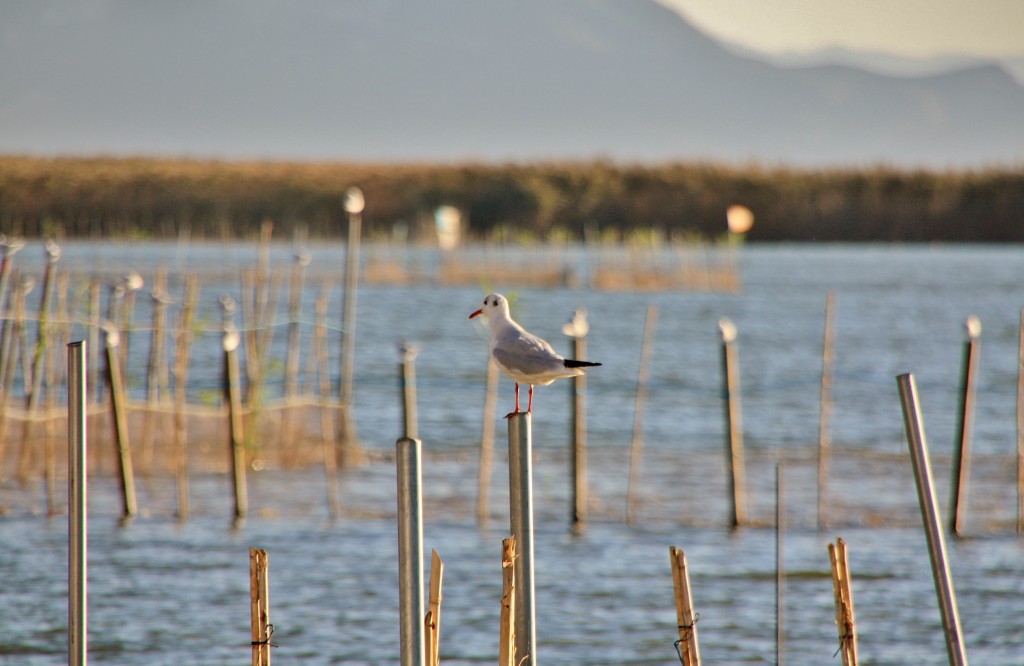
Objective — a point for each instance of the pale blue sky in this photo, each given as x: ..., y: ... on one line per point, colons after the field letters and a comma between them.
x: 915, y: 28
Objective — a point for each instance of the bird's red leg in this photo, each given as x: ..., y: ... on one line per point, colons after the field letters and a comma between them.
x: 511, y: 414
x: 529, y: 406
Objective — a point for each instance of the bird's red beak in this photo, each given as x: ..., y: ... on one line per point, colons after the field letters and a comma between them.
x: 478, y: 312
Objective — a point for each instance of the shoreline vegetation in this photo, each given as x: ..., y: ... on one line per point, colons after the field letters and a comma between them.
x: 593, y: 201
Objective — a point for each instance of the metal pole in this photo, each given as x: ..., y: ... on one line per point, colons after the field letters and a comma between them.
x: 407, y: 375
x: 410, y: 552
x: 962, y: 455
x: 520, y: 477
x: 78, y: 526
x: 914, y: 423
x: 733, y: 422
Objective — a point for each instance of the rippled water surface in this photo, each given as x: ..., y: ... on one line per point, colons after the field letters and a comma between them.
x: 162, y: 592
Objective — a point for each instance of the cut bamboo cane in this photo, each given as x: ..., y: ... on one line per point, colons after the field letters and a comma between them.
x: 487, y: 446
x: 824, y: 436
x: 233, y: 397
x: 55, y: 379
x: 637, y: 445
x: 34, y: 379
x: 733, y: 424
x: 962, y: 455
x: 183, y: 355
x: 432, y: 622
x: 259, y: 594
x: 120, y: 425
x: 507, y: 633
x: 687, y: 646
x: 327, y: 439
x: 845, y: 623
x: 156, y: 369
x: 10, y: 362
x: 1020, y: 427
x: 577, y: 329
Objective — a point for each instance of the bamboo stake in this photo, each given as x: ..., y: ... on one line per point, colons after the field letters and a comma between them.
x: 487, y: 446
x: 1020, y: 427
x: 182, y: 357
x: 131, y: 283
x: 327, y: 440
x: 9, y: 247
x: 733, y: 423
x: 845, y: 623
x: 354, y: 204
x: 94, y: 339
x: 54, y: 379
x: 507, y: 633
x: 577, y: 329
x: 156, y: 367
x: 432, y: 621
x: 292, y: 360
x: 962, y: 456
x: 34, y: 380
x: 10, y: 361
x: 687, y: 646
x: 259, y: 606
x: 120, y: 425
x: 824, y: 436
x: 78, y: 523
x: 233, y: 397
x: 780, y: 571
x: 637, y: 445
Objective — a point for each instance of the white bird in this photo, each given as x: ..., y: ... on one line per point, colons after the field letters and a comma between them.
x: 523, y: 356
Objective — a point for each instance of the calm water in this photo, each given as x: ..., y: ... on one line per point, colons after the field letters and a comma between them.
x: 164, y: 593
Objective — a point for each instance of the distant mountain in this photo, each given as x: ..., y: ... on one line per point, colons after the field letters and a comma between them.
x: 464, y: 79
x: 884, y: 63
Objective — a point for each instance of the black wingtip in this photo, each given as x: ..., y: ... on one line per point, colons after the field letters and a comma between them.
x: 569, y: 363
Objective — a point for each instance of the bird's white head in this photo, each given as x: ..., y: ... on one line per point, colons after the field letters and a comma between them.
x: 493, y: 304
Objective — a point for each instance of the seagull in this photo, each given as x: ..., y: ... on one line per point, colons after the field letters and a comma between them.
x: 521, y: 355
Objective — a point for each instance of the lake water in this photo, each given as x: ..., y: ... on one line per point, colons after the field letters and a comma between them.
x: 168, y: 593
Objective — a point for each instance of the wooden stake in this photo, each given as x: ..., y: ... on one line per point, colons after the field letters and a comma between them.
x: 733, y: 423
x: 233, y: 397
x: 962, y: 455
x: 327, y: 438
x: 637, y: 445
x: 182, y: 357
x: 259, y: 594
x: 120, y: 423
x: 845, y: 623
x: 487, y: 446
x: 432, y: 621
x: 824, y: 436
x: 507, y: 634
x: 688, y: 646
x: 1020, y: 428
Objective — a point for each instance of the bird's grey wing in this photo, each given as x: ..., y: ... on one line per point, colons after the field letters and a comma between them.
x: 524, y: 353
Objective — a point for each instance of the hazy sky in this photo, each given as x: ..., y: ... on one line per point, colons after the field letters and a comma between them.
x: 989, y: 28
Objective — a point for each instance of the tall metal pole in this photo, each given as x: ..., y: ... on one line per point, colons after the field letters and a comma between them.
x: 410, y: 552
x: 520, y: 476
x: 78, y: 526
x: 962, y: 455
x: 914, y: 424
x: 733, y: 423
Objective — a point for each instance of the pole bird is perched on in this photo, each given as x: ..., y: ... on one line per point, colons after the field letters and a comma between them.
x: 523, y: 356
